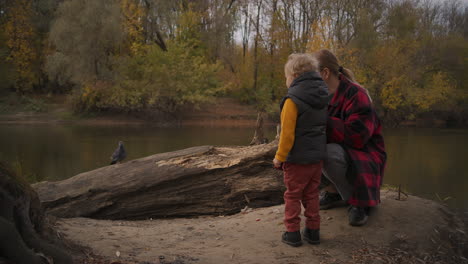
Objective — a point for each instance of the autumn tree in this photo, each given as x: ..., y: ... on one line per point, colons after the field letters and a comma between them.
x: 396, y: 59
x: 133, y: 15
x: 21, y: 40
x: 6, y: 73
x: 85, y: 36
x: 165, y: 81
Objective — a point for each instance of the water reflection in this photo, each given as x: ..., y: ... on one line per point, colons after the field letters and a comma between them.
x: 429, y: 162
x: 56, y: 152
x: 425, y: 162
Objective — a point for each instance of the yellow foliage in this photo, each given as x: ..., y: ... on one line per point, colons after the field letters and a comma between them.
x: 437, y: 91
x: 401, y: 87
x: 133, y: 15
x: 189, y: 29
x: 392, y: 95
x: 349, y: 58
x: 321, y: 37
x: 21, y: 36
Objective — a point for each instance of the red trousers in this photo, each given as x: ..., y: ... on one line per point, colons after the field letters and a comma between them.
x: 302, y: 182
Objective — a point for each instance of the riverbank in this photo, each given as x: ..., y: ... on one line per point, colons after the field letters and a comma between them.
x: 413, y: 230
x: 222, y: 112
x: 56, y: 110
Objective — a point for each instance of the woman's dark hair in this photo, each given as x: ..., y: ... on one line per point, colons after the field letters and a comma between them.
x: 326, y: 59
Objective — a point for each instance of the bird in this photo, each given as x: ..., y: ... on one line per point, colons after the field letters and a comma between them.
x: 119, y: 154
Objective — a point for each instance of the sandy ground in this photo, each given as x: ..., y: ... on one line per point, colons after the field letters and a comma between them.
x: 254, y: 236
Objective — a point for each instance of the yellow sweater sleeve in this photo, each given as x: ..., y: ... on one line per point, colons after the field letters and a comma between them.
x: 288, y: 127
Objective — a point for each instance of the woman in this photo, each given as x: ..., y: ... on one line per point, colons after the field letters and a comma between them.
x: 355, y: 147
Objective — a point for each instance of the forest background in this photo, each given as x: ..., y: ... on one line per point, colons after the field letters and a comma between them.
x: 141, y: 56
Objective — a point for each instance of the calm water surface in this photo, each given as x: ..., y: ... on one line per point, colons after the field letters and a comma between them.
x: 427, y: 162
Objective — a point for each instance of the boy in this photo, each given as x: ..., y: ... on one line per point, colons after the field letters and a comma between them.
x: 301, y: 147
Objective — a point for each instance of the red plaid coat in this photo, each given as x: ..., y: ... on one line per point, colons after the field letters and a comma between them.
x: 353, y: 123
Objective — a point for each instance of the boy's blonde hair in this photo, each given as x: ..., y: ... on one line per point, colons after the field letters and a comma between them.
x: 298, y: 63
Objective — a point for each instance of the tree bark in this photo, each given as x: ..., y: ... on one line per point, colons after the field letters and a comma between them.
x: 23, y: 231
x: 259, y: 137
x: 256, y: 40
x: 245, y: 30
x: 152, y: 30
x: 203, y: 180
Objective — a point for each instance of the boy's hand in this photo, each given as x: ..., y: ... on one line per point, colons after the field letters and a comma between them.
x: 277, y: 164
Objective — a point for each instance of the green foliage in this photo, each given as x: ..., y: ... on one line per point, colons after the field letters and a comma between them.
x: 85, y: 35
x: 156, y: 79
x: 189, y: 32
x: 402, y: 20
x: 13, y: 103
x: 33, y: 104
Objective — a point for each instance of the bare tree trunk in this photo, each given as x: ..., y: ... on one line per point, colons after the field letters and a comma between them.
x: 273, y: 43
x: 278, y: 131
x: 259, y: 137
x: 154, y: 34
x: 160, y: 40
x: 246, y: 31
x: 257, y: 36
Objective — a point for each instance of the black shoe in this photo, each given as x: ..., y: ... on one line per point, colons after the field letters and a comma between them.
x: 292, y: 238
x: 330, y: 200
x: 358, y: 215
x: 311, y: 235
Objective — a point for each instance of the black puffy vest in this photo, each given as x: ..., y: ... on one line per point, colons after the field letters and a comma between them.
x: 310, y: 94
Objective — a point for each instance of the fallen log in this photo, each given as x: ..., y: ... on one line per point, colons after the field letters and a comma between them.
x: 202, y: 180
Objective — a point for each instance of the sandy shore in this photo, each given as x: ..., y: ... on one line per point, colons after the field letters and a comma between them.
x: 406, y: 231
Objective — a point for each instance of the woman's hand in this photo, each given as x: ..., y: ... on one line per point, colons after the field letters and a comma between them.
x: 277, y: 164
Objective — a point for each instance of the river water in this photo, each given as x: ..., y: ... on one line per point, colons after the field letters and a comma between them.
x: 431, y: 163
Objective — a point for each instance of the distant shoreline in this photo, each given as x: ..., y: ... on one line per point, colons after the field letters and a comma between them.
x: 225, y: 112
x: 32, y: 118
